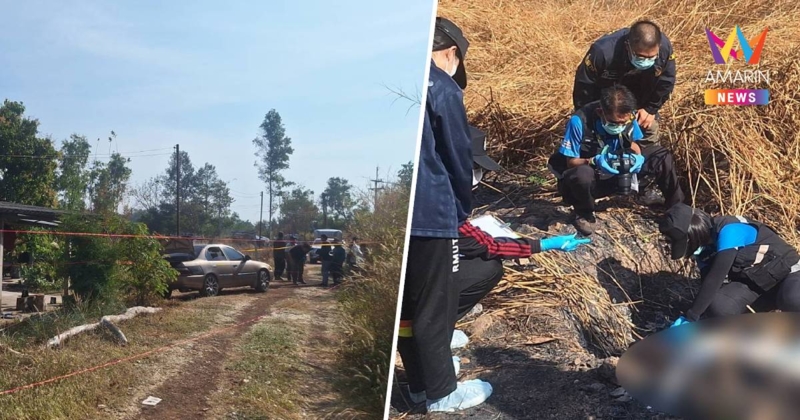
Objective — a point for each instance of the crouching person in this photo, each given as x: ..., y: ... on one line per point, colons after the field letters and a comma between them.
x: 596, y: 134
x: 763, y: 270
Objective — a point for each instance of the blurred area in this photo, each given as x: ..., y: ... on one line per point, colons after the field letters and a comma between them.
x: 741, y: 367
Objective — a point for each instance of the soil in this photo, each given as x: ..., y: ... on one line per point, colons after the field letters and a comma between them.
x: 537, y: 360
x: 196, y: 374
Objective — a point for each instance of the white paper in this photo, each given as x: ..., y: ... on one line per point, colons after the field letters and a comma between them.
x: 493, y: 226
x: 151, y: 401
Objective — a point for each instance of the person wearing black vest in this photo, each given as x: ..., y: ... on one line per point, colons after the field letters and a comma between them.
x: 279, y: 256
x: 642, y: 59
x: 763, y: 270
x: 582, y: 165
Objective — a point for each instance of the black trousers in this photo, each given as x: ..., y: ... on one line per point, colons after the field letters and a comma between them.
x: 337, y: 272
x: 428, y: 314
x: 297, y: 270
x: 280, y: 264
x: 580, y: 185
x: 474, y: 280
x: 733, y: 298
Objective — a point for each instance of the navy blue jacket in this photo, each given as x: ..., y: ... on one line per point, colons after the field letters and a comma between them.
x: 442, y: 200
x: 608, y: 62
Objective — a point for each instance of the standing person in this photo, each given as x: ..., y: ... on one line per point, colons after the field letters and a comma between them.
x: 338, y: 255
x: 289, y: 260
x: 594, y: 134
x: 762, y: 268
x: 442, y: 201
x: 279, y: 256
x: 298, y: 256
x: 639, y: 58
x: 325, y: 259
x: 354, y: 256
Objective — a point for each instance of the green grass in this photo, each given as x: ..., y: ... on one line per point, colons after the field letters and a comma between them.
x: 79, y: 396
x: 266, y: 359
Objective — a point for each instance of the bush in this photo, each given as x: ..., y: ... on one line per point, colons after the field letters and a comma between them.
x: 145, y: 274
x: 369, y: 303
x: 46, y: 251
x: 131, y: 269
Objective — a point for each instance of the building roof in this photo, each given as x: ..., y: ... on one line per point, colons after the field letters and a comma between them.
x: 33, y: 215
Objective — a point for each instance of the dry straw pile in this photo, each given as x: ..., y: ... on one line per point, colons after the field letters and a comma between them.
x: 735, y: 160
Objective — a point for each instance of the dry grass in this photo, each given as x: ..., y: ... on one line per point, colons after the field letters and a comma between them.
x: 522, y: 61
x: 734, y: 160
x: 83, y: 396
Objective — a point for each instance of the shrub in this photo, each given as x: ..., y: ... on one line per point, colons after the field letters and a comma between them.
x: 369, y: 302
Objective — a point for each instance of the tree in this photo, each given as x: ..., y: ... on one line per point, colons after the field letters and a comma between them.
x: 298, y: 211
x: 337, y: 201
x: 405, y: 175
x: 73, y: 177
x: 108, y: 183
x: 28, y: 163
x: 273, y: 149
x: 205, y: 200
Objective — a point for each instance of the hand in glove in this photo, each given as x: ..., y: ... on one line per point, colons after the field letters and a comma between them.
x: 601, y: 161
x: 566, y: 243
x: 680, y: 321
x: 638, y: 161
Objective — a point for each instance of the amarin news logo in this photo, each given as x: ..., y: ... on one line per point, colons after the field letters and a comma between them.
x: 750, y: 52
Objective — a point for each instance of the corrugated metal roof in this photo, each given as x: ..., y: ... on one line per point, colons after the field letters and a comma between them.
x: 13, y: 212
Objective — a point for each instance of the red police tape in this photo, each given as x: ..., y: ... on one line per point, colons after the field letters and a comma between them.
x: 129, y: 358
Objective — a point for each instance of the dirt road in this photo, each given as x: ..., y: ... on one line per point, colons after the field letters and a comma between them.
x: 206, y: 379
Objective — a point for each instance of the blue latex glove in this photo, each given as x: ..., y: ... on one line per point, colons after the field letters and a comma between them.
x: 601, y: 161
x: 566, y: 243
x: 680, y: 321
x: 638, y: 161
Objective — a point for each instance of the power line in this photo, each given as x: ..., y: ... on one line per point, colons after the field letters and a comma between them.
x: 71, y: 156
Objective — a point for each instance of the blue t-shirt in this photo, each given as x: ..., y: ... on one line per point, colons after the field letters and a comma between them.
x: 571, y: 145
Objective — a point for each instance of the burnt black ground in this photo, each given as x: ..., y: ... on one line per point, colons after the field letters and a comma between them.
x: 566, y: 378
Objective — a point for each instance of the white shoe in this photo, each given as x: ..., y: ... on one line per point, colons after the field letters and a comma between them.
x: 467, y: 394
x: 420, y: 397
x: 459, y: 340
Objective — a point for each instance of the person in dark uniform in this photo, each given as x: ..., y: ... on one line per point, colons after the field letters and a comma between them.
x: 639, y: 58
x: 325, y: 258
x: 338, y: 256
x: 442, y: 200
x: 481, y: 255
x: 594, y: 133
x: 279, y: 256
x: 763, y: 270
x: 298, y: 256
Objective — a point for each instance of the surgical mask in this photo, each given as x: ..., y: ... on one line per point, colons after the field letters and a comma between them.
x: 454, y: 70
x: 614, y: 129
x: 477, y: 175
x: 642, y: 63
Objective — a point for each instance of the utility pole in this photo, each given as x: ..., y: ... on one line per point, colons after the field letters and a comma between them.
x: 261, y: 215
x: 178, y: 190
x: 376, y: 189
x: 324, y: 210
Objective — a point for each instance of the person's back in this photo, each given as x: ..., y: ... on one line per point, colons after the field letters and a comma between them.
x: 297, y: 252
x: 338, y: 255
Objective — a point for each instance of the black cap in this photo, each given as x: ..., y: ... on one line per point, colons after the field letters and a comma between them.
x: 454, y: 32
x: 676, y: 228
x: 479, y: 150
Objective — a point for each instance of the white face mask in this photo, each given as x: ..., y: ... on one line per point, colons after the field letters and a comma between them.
x: 477, y: 175
x: 455, y: 68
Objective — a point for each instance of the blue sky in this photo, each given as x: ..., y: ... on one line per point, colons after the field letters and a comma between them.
x: 203, y: 76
